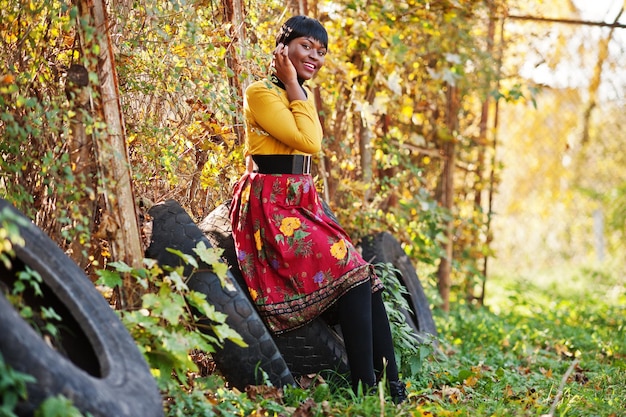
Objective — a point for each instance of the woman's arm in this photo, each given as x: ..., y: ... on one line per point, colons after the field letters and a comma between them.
x: 286, y: 72
x: 295, y: 124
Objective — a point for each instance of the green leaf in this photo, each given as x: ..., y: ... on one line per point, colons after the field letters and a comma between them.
x: 188, y: 259
x: 18, y: 287
x: 140, y: 318
x: 464, y: 374
x: 52, y: 329
x: 152, y: 301
x: 174, y: 310
x: 177, y: 343
x: 178, y: 281
x: 121, y: 267
x: 212, y: 257
x: 110, y: 279
x: 198, y: 300
x: 209, y: 256
x: 223, y: 332
x: 221, y: 270
x: 58, y: 406
x: 33, y: 279
x: 26, y: 312
x: 48, y: 313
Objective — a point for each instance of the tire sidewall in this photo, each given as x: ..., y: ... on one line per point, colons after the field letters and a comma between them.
x: 124, y: 386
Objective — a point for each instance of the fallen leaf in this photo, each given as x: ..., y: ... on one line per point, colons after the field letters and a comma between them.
x: 259, y: 392
x: 306, y: 409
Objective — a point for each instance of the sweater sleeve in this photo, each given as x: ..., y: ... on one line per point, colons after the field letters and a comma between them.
x: 295, y: 124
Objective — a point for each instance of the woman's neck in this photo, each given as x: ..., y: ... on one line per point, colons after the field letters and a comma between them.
x: 279, y: 83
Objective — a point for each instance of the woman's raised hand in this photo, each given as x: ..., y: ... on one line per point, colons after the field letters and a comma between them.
x: 284, y: 69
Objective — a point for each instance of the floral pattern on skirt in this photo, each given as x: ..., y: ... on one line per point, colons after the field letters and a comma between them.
x: 294, y: 258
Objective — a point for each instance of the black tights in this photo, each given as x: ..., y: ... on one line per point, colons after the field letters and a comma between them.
x: 367, y: 336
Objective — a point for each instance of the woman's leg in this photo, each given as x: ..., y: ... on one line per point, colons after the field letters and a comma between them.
x: 355, y: 319
x: 384, y: 356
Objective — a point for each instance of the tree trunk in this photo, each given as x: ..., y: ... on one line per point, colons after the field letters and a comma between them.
x: 234, y: 12
x: 82, y: 156
x: 492, y: 173
x: 447, y: 195
x: 365, y: 151
x: 119, y: 222
x: 366, y: 137
x: 481, y: 169
x: 300, y: 7
x: 594, y: 83
x: 323, y: 170
x: 335, y: 135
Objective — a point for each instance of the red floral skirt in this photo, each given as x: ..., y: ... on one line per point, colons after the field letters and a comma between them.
x: 295, y: 259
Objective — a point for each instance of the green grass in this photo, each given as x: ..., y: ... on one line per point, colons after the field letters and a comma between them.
x: 506, y: 359
x: 509, y: 358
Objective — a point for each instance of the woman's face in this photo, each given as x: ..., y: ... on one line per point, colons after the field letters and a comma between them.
x: 307, y: 55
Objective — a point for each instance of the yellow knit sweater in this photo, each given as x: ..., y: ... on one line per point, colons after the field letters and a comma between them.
x: 276, y: 126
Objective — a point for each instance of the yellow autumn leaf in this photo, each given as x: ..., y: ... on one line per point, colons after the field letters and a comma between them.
x: 407, y: 111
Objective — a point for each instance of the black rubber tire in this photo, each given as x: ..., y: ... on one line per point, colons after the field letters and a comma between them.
x: 96, y: 363
x: 218, y: 230
x: 315, y: 348
x: 311, y: 349
x: 173, y: 228
x: 383, y: 247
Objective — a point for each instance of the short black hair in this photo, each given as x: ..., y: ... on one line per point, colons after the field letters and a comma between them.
x: 302, y: 26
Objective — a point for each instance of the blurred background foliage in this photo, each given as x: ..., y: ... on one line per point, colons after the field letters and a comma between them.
x: 436, y: 125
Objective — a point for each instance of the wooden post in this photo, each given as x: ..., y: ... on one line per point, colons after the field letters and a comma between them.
x: 119, y: 222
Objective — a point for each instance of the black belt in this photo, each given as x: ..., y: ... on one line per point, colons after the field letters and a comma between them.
x: 282, y: 164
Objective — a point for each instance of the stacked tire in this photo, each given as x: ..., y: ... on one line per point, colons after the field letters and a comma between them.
x: 173, y: 228
x: 316, y: 348
x: 93, y: 361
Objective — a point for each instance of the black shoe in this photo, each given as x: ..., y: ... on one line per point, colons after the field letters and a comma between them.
x: 397, y: 389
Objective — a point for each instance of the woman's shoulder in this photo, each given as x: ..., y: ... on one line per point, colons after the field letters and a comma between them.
x: 262, y: 85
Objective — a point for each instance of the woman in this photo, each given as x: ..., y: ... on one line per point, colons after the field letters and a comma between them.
x: 297, y: 262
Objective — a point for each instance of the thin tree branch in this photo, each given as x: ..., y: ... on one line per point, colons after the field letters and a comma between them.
x: 567, y: 21
x: 559, y: 393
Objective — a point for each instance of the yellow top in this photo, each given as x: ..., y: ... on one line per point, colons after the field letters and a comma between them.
x: 276, y: 126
